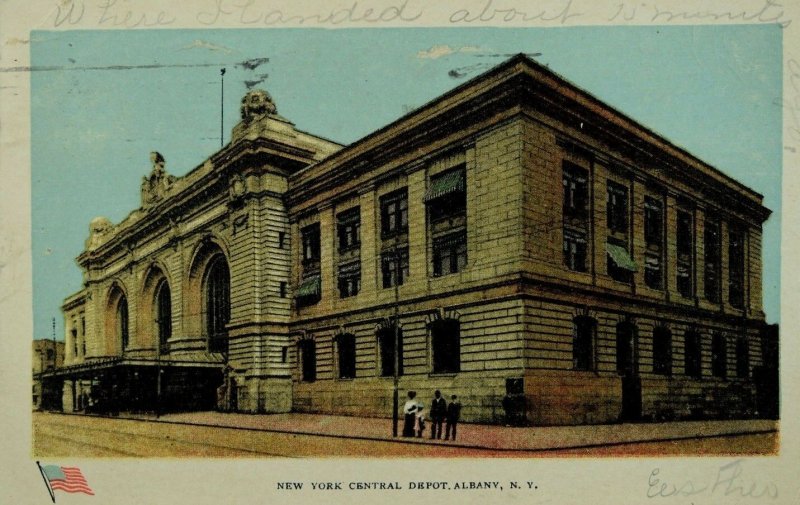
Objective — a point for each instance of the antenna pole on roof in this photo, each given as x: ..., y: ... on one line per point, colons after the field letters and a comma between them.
x: 221, y: 104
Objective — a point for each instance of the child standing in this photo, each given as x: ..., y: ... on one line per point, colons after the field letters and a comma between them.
x: 419, y: 425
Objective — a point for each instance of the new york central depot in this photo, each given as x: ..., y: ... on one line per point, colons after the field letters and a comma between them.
x: 525, y: 238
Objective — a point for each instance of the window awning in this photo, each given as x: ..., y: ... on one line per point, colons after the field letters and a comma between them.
x: 350, y: 268
x: 451, y: 182
x: 451, y: 240
x: 309, y: 287
x: 620, y: 257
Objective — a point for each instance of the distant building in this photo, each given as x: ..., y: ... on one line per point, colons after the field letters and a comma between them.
x: 514, y: 236
x: 47, y: 356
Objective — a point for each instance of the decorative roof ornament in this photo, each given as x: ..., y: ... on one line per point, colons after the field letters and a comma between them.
x: 99, y: 230
x: 157, y: 183
x: 256, y: 104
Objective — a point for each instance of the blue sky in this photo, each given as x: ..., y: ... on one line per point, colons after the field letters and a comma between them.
x: 102, y: 100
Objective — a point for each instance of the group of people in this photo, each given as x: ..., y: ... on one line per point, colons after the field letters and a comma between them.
x: 441, y: 413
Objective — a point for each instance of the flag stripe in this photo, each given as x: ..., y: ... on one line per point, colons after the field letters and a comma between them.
x: 75, y: 490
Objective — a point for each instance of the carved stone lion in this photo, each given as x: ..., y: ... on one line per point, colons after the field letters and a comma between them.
x: 257, y: 103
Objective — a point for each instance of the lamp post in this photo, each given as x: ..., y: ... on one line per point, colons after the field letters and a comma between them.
x: 396, y: 382
x: 55, y: 348
x: 158, y: 368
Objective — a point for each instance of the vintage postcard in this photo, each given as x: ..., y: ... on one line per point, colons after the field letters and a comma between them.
x: 357, y: 251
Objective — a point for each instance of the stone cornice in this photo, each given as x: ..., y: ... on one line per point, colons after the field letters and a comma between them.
x: 520, y: 82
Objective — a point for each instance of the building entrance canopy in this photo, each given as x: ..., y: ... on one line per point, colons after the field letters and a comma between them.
x: 140, y: 384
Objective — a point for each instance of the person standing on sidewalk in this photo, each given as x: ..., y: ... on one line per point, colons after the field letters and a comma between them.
x: 438, y: 413
x: 419, y: 425
x: 410, y: 412
x: 453, y: 415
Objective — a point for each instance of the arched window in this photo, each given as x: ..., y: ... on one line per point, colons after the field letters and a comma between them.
x: 446, y: 346
x: 163, y: 302
x: 346, y: 349
x: 217, y: 304
x: 662, y: 350
x: 74, y: 332
x: 583, y: 343
x: 122, y: 321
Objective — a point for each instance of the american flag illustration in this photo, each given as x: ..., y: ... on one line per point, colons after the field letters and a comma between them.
x: 65, y: 478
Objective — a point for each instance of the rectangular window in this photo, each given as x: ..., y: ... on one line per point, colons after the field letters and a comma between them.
x: 626, y: 345
x: 742, y: 359
x: 394, y: 213
x: 447, y: 195
x: 685, y: 234
x: 447, y: 210
x: 310, y: 238
x: 446, y: 346
x: 712, y: 259
x: 308, y: 357
x: 575, y: 250
x: 348, y: 226
x: 386, y: 340
x: 653, y: 236
x: 349, y: 279
x: 346, y: 349
x: 392, y: 273
x: 449, y: 254
x: 583, y: 343
x: 617, y: 208
x: 281, y: 239
x: 653, y: 221
x: 719, y: 355
x: 662, y: 351
x: 652, y: 270
x: 685, y: 246
x: 692, y: 354
x: 736, y: 267
x: 283, y: 290
x: 576, y: 191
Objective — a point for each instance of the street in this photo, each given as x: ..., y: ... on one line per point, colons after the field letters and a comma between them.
x: 57, y: 435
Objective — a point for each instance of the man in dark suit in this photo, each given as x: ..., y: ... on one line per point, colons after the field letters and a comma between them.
x: 438, y: 413
x: 453, y: 415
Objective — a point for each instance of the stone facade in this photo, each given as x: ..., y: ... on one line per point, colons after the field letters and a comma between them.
x: 541, y: 239
x: 47, y: 356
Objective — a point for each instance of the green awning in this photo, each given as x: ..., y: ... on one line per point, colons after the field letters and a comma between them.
x: 451, y: 182
x: 309, y: 287
x: 620, y: 257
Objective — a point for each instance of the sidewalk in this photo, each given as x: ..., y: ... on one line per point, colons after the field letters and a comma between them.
x: 474, y: 435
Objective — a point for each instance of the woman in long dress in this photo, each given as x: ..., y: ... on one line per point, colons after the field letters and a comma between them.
x: 410, y: 412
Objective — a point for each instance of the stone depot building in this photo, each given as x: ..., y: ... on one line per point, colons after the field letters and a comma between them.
x: 514, y: 235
